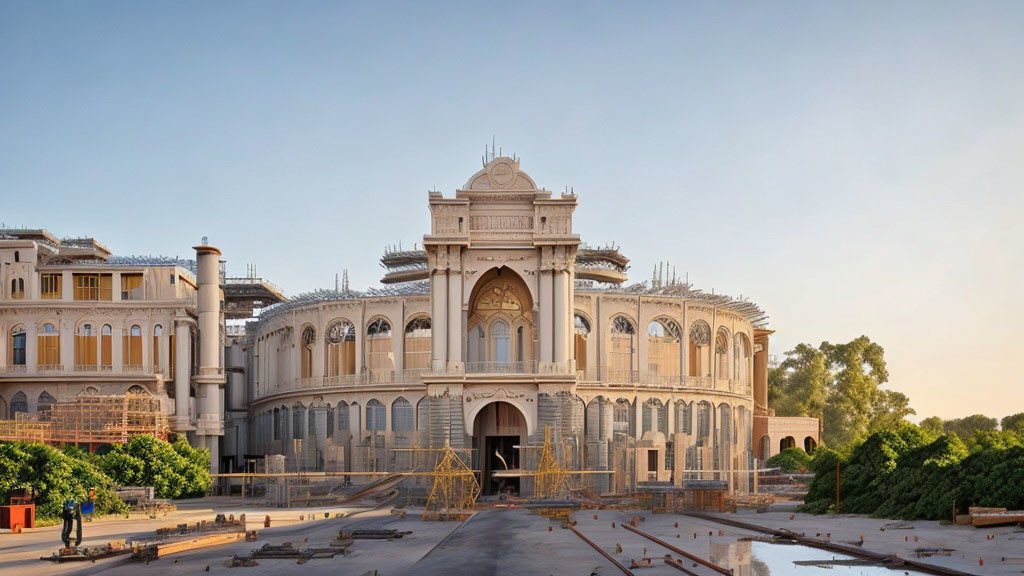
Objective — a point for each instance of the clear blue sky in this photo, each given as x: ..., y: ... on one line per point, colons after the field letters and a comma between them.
x: 853, y: 167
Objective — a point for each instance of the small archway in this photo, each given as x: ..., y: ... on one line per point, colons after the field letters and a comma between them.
x: 766, y: 447
x: 497, y: 429
x: 810, y: 444
x: 19, y: 403
x: 786, y: 443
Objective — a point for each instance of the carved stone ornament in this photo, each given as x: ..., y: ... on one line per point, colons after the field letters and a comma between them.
x: 502, y: 173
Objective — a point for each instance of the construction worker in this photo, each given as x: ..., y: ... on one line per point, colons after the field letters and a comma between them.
x: 71, y: 513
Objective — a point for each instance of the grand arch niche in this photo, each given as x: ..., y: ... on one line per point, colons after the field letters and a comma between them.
x: 497, y: 429
x: 500, y: 324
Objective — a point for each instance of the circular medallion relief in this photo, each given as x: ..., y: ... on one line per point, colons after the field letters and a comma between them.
x: 502, y: 173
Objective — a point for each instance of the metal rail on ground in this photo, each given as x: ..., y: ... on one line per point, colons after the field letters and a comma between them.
x: 610, y: 558
x: 680, y: 551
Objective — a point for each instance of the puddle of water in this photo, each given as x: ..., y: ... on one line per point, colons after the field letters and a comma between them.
x: 767, y: 559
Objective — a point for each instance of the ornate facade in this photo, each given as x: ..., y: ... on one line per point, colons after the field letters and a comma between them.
x: 502, y: 327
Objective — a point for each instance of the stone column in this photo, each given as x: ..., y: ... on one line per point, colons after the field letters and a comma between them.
x: 182, y: 374
x: 438, y: 319
x: 561, y: 319
x: 545, y: 326
x: 454, y: 311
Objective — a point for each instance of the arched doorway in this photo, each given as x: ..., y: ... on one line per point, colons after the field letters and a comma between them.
x: 498, y: 429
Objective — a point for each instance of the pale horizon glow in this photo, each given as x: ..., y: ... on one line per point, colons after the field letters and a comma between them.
x: 852, y: 168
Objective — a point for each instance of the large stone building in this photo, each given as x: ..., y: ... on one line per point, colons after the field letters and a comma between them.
x: 502, y: 328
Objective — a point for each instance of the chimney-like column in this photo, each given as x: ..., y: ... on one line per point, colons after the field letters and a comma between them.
x: 210, y: 382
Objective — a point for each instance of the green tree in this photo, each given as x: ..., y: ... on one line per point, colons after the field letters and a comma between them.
x: 932, y: 426
x: 889, y: 410
x: 968, y: 426
x: 801, y: 383
x: 858, y: 369
x: 1014, y: 423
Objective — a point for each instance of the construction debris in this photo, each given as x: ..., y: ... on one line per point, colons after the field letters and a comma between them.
x: 373, y: 534
x: 88, y: 553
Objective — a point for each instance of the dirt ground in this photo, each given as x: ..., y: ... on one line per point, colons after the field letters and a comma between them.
x: 516, y: 541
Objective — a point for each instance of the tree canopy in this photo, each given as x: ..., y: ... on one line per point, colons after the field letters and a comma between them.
x: 841, y: 384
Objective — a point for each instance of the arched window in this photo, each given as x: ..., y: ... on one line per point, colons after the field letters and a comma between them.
x: 131, y: 344
x: 17, y: 256
x: 343, y: 425
x: 704, y: 424
x: 582, y: 330
x: 402, y: 419
x: 499, y: 336
x: 298, y: 421
x: 622, y: 350
x: 277, y: 423
x: 44, y: 404
x: 306, y: 351
x: 138, y: 390
x: 722, y: 353
x: 622, y: 417
x: 741, y: 358
x: 417, y: 344
x: 85, y: 347
x: 90, y: 391
x: 787, y: 443
x: 810, y: 445
x: 106, y: 346
x: 3, y: 408
x: 375, y: 415
x: 700, y: 344
x: 379, y: 349
x: 655, y: 416
x: 49, y: 346
x: 158, y: 331
x: 423, y: 415
x: 17, y: 346
x: 341, y: 348
x: 684, y: 417
x: 19, y: 403
x: 663, y: 349
x: 18, y: 289
x: 520, y: 345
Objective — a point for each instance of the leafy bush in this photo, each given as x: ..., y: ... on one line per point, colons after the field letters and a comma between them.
x: 173, y: 470
x: 56, y: 476
x: 791, y: 460
x: 909, y: 474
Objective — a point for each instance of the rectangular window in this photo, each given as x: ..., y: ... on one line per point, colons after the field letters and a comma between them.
x: 50, y: 285
x: 131, y: 287
x: 93, y: 286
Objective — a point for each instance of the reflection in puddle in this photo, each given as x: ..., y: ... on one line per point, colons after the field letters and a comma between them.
x: 767, y: 559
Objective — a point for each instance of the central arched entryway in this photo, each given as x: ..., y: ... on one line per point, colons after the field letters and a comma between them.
x: 498, y: 429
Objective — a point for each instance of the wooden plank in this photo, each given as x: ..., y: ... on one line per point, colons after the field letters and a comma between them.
x: 168, y: 548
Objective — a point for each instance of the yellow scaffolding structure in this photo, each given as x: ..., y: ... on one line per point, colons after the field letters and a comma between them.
x: 90, y: 420
x: 550, y: 476
x: 455, y: 488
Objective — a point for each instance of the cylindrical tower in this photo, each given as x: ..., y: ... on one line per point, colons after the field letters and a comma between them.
x: 210, y: 382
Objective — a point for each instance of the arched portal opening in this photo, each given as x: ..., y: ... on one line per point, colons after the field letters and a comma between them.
x: 787, y: 443
x: 500, y: 323
x: 498, y: 429
x: 809, y: 445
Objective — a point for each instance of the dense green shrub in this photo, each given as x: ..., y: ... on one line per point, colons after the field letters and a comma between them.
x: 791, y: 460
x: 174, y: 470
x: 908, y: 474
x: 55, y: 476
